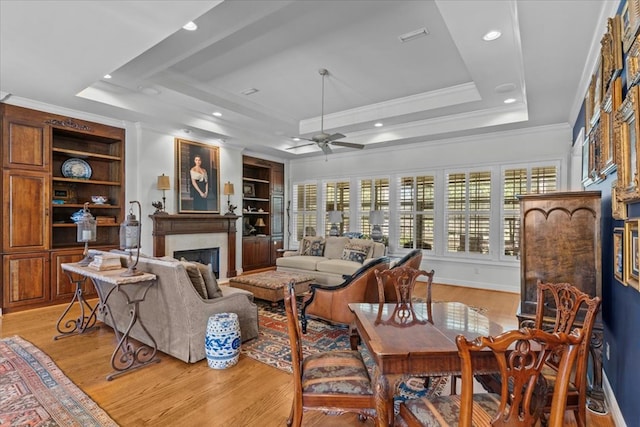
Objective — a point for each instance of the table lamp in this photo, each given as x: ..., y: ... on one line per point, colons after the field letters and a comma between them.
x: 260, y: 223
x: 87, y: 232
x: 376, y: 218
x: 335, y: 218
x: 228, y: 191
x: 163, y: 184
x: 130, y: 239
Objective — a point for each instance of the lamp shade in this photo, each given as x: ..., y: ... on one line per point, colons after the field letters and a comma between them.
x: 335, y: 217
x: 164, y: 183
x: 260, y: 223
x: 376, y: 217
x: 228, y: 189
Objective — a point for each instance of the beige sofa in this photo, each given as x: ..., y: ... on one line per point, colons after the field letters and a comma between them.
x: 176, y: 315
x: 330, y: 259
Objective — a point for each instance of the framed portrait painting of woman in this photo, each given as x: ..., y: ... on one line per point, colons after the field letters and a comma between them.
x: 198, y: 176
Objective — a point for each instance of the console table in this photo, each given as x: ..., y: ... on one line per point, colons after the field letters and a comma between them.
x: 128, y: 355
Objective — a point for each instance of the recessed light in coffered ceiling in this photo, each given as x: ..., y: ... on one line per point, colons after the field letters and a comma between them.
x: 504, y: 88
x: 147, y: 90
x: 217, y: 113
x: 509, y: 100
x: 190, y: 26
x: 491, y: 35
x: 249, y: 91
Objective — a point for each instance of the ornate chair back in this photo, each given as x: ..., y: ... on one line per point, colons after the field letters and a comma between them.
x: 560, y: 308
x: 520, y: 356
x: 397, y: 284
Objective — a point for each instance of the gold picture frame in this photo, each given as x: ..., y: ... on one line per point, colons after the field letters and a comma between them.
x: 618, y: 254
x: 611, y: 52
x: 631, y: 264
x: 607, y: 147
x: 630, y: 22
x: 204, y: 195
x: 632, y: 66
x: 627, y: 133
x: 618, y: 207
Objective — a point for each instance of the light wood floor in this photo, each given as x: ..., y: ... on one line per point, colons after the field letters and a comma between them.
x: 173, y: 393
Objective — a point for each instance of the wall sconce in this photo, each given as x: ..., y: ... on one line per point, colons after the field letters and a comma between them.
x: 260, y: 223
x: 130, y: 231
x: 335, y: 218
x: 229, y: 191
x: 163, y: 184
x: 87, y: 232
x: 376, y: 218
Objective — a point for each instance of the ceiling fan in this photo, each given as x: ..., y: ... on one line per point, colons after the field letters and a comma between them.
x: 324, y: 139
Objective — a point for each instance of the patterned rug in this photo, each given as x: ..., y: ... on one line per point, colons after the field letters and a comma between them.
x: 272, y: 348
x: 34, y: 392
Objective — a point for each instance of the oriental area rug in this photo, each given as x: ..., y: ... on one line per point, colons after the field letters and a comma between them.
x: 272, y: 347
x: 34, y: 391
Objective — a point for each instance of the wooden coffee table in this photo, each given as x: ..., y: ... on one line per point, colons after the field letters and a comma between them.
x: 268, y: 285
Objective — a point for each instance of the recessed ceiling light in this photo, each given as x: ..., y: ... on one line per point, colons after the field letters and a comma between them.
x: 505, y: 87
x: 186, y: 131
x: 147, y: 90
x: 190, y: 26
x: 412, y: 35
x: 509, y: 100
x: 249, y: 91
x: 296, y: 139
x: 217, y: 113
x: 491, y: 35
x: 378, y: 125
x: 107, y: 76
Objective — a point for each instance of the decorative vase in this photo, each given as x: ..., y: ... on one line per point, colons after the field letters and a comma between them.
x: 222, y: 340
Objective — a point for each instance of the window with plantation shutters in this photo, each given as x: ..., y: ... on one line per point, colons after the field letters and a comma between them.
x: 468, y: 212
x: 337, y: 199
x: 415, y: 225
x: 305, y: 210
x: 523, y: 180
x: 374, y: 196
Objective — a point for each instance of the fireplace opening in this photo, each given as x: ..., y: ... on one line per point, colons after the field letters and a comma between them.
x: 204, y: 256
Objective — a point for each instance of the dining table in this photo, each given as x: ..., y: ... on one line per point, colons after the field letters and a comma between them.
x: 418, y: 339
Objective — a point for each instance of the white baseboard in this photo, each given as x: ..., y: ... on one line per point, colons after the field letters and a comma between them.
x: 612, y: 404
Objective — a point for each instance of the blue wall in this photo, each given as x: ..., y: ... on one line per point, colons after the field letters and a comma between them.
x: 620, y: 307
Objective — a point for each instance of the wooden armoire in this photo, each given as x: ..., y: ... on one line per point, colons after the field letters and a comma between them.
x: 560, y: 243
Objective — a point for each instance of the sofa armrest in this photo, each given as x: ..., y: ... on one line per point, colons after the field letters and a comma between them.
x: 330, y: 303
x: 289, y: 253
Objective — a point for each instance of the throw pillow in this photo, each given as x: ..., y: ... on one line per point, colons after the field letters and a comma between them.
x: 355, y: 253
x: 307, y: 242
x: 316, y: 248
x: 196, y: 278
x: 210, y: 282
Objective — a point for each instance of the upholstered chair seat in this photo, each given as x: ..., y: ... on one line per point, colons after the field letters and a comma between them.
x: 336, y: 372
x: 445, y: 410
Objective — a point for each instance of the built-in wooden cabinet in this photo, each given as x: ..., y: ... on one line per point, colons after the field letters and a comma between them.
x: 262, y: 212
x: 51, y: 166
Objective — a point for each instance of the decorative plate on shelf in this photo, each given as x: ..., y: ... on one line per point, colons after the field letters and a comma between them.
x: 76, y: 168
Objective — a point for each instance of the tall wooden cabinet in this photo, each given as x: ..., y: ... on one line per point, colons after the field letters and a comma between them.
x: 560, y: 243
x: 51, y: 165
x: 262, y: 211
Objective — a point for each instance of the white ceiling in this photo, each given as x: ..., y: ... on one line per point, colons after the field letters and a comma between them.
x: 442, y: 85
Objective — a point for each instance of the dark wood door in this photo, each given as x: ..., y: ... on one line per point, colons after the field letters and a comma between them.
x: 26, y: 139
x: 26, y: 221
x: 25, y: 279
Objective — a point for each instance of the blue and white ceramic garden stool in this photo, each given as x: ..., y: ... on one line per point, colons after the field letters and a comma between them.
x: 222, y: 340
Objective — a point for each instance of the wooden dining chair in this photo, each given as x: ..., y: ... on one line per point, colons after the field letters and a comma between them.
x: 560, y: 308
x: 521, y: 356
x: 334, y: 382
x: 397, y: 284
